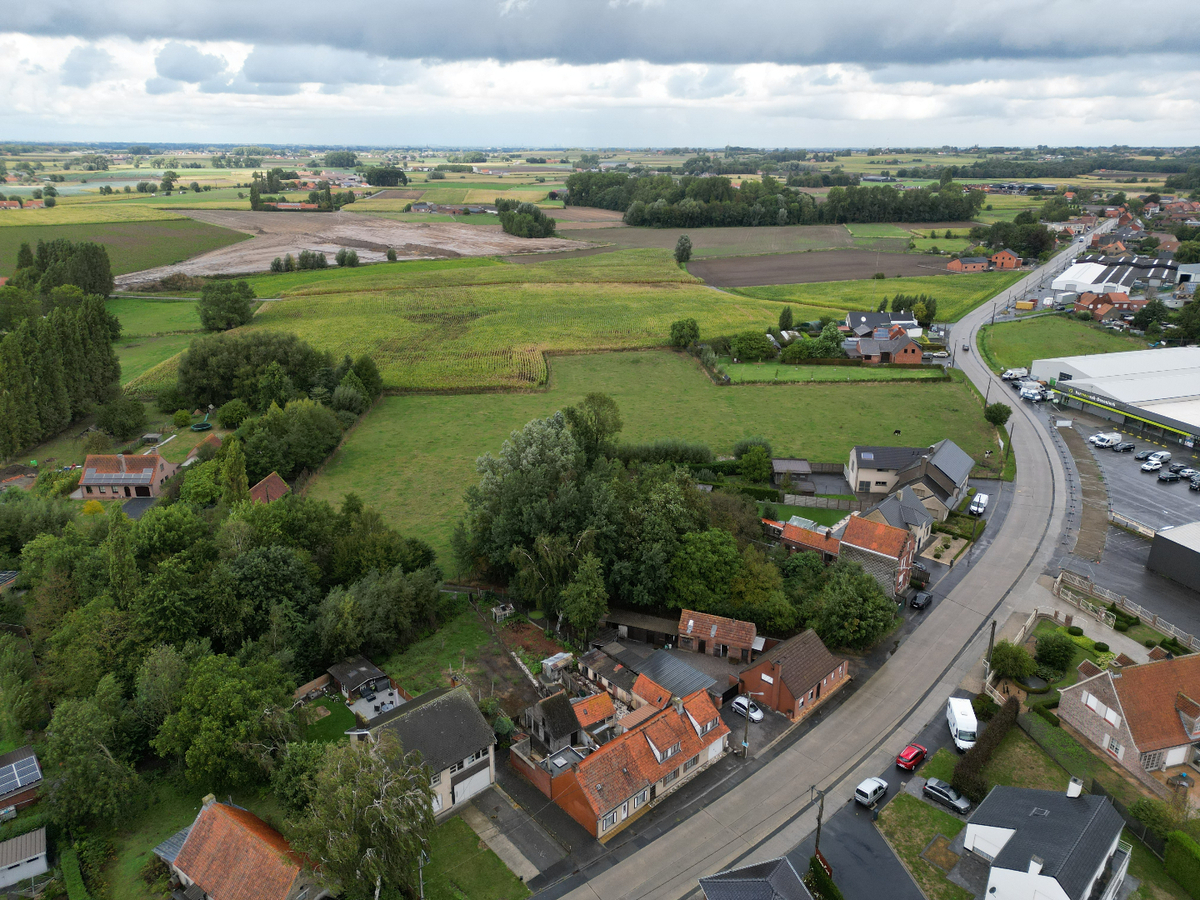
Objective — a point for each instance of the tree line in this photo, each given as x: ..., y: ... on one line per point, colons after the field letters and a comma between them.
x: 524, y: 219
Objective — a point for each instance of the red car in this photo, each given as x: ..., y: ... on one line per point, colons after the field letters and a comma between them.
x: 911, y: 756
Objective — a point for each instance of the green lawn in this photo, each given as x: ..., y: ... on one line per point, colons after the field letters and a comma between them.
x: 829, y: 517
x: 773, y: 373
x: 878, y: 231
x: 141, y: 354
x: 132, y: 246
x: 415, y: 454
x: 145, y: 316
x: 462, y: 867
x: 956, y: 295
x: 940, y: 765
x: 422, y: 666
x: 333, y: 727
x: 910, y: 824
x: 1009, y: 345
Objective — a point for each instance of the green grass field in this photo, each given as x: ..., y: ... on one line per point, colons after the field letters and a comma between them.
x: 146, y: 316
x: 1008, y: 345
x: 72, y: 212
x: 131, y: 245
x: 714, y: 242
x: 415, y: 454
x: 956, y: 295
x: 139, y: 355
x: 461, y: 867
x: 422, y: 666
x: 870, y: 231
x: 333, y: 727
x: 777, y: 373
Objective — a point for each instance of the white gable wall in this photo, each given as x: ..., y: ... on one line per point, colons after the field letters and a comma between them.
x: 1012, y: 885
x: 986, y: 840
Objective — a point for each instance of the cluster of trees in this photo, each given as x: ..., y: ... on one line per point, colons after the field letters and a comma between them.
x: 236, y: 161
x: 93, y: 162
x: 308, y: 259
x: 922, y: 306
x: 474, y: 156
x: 524, y: 219
x: 386, y: 176
x: 61, y: 262
x: 341, y: 159
x: 225, y: 304
x: 827, y: 346
x: 569, y: 526
x: 1187, y: 181
x: 1024, y: 237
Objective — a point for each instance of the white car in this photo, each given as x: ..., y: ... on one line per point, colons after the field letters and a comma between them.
x: 979, y: 505
x: 748, y: 708
x: 870, y: 791
x: 1152, y: 465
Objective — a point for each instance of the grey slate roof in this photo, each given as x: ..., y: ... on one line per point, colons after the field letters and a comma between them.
x: 774, y: 879
x: 609, y: 668
x: 667, y: 670
x: 353, y: 673
x: 975, y: 259
x: 951, y: 459
x: 169, y: 849
x: 559, y: 715
x: 1072, y: 837
x: 903, y: 509
x: 894, y: 458
x: 443, y: 725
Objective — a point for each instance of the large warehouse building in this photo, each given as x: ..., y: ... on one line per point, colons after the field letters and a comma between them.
x: 1154, y: 393
x: 1106, y: 274
x: 1175, y: 553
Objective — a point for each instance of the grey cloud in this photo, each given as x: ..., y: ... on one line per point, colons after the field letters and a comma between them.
x: 160, y: 85
x: 667, y: 32
x: 183, y: 62
x: 240, y: 84
x: 323, y: 65
x: 716, y: 82
x: 85, y: 65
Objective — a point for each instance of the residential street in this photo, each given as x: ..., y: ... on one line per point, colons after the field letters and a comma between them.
x: 771, y: 812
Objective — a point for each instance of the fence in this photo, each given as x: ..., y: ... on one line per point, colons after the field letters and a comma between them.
x: 1132, y: 524
x: 1153, y: 842
x: 826, y: 503
x: 828, y: 468
x: 1068, y: 583
x: 1067, y: 587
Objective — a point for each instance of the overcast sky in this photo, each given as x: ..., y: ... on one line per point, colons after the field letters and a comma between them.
x: 797, y: 73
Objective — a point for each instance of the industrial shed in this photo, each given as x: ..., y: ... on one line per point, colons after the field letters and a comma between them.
x: 1175, y: 553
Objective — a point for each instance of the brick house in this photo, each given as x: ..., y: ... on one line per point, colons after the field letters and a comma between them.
x: 553, y: 722
x: 716, y: 635
x: 1146, y: 717
x: 1005, y: 259
x: 938, y: 474
x: 968, y: 264
x: 120, y: 476
x: 798, y: 539
x: 884, y: 551
x: 885, y: 345
x: 904, y: 509
x: 795, y: 676
x: 20, y: 778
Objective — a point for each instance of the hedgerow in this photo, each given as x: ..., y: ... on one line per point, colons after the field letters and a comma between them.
x: 968, y: 772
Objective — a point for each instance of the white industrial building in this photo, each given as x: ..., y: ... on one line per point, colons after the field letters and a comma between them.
x: 1109, y: 274
x: 1153, y: 393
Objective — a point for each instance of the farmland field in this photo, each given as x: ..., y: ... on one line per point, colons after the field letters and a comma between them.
x: 131, y: 245
x: 139, y: 355
x: 797, y: 268
x: 778, y: 373
x: 143, y: 316
x: 956, y: 296
x: 415, y: 454
x: 1009, y: 345
x: 710, y: 242
x: 69, y: 213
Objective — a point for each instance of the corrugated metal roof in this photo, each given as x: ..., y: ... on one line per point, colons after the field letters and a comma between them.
x: 1185, y: 535
x: 22, y: 848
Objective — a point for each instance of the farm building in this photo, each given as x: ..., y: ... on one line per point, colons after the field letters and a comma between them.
x: 968, y: 264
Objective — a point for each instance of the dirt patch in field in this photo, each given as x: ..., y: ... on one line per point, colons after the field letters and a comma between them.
x: 279, y: 233
x: 804, y: 268
x: 531, y: 639
x: 586, y: 214
x: 398, y: 195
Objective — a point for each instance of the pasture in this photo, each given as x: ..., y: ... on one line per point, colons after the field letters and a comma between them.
x: 718, y: 242
x: 956, y: 295
x: 414, y: 455
x: 1008, y: 345
x: 69, y: 212
x: 152, y: 332
x: 832, y: 265
x: 779, y: 373
x: 131, y: 246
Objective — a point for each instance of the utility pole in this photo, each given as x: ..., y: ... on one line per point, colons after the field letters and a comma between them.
x: 820, y: 814
x: 746, y: 732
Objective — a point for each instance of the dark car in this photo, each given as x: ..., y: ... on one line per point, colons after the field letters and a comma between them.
x: 1125, y: 447
x: 911, y: 756
x: 1194, y: 484
x: 1177, y: 467
x: 921, y: 599
x: 940, y: 792
x: 1169, y: 476
x: 1142, y: 455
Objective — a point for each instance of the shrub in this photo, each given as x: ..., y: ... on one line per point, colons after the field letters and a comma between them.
x: 770, y: 495
x: 751, y: 346
x: 985, y: 707
x: 1120, y: 626
x: 1182, y: 861
x: 1042, y: 711
x: 1155, y: 815
x: 740, y: 448
x: 226, y: 304
x: 1055, y: 650
x: 684, y: 333
x: 122, y: 418
x: 755, y: 465
x: 1075, y: 631
x: 670, y: 450
x: 1100, y: 647
x: 818, y: 882
x: 1148, y: 642
x: 1012, y: 661
x: 233, y: 413
x: 770, y: 512
x: 182, y: 418
x: 72, y: 877
x: 968, y: 771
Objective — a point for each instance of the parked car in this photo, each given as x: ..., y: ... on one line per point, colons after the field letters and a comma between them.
x: 1107, y: 440
x: 911, y: 757
x: 1151, y: 465
x: 1169, y: 477
x: 870, y: 791
x: 748, y: 708
x: 921, y: 599
x: 1143, y: 454
x: 1161, y: 455
x: 1189, y: 473
x: 979, y: 505
x: 1194, y: 484
x: 1125, y: 447
x: 1177, y: 467
x: 941, y: 792
x: 941, y: 354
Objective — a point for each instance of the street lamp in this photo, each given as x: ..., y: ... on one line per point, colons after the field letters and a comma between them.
x: 746, y: 733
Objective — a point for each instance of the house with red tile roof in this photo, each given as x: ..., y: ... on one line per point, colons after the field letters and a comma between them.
x: 120, y: 477
x: 716, y: 635
x: 650, y: 693
x: 270, y: 488
x: 794, y: 677
x: 798, y: 539
x: 1145, y: 717
x: 617, y: 783
x: 884, y: 551
x: 210, y: 440
x: 230, y: 853
x: 595, y: 711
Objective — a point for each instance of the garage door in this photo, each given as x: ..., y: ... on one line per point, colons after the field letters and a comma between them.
x: 467, y: 789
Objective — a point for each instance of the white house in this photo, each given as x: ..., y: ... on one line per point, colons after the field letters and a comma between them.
x: 1046, y: 845
x: 23, y: 857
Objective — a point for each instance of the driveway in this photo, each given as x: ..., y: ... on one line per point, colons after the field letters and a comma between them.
x: 759, y: 734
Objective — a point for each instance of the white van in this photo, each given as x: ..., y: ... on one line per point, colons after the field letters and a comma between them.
x: 961, y: 719
x: 1162, y: 456
x: 1107, y: 440
x: 978, y: 505
x: 1014, y: 374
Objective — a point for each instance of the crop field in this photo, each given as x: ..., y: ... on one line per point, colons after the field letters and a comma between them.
x: 1004, y: 207
x: 714, y: 242
x: 415, y: 454
x: 778, y: 373
x: 132, y: 246
x: 68, y: 212
x: 796, y: 268
x: 1008, y: 345
x: 956, y: 296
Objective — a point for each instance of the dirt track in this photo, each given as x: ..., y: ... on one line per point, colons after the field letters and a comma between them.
x: 279, y: 233
x: 803, y: 268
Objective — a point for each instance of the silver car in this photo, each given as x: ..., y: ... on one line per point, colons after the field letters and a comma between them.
x: 870, y: 791
x: 941, y: 792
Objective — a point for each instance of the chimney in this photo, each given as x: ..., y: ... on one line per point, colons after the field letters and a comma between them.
x: 1075, y: 788
x: 677, y: 702
x: 208, y: 801
x: 1035, y: 864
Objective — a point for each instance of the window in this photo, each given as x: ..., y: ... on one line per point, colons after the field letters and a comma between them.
x: 767, y: 678
x: 610, y: 820
x: 708, y: 726
x: 641, y: 798
x: 864, y: 486
x: 1114, y: 748
x: 89, y: 488
x: 436, y: 779
x: 1111, y: 717
x: 670, y: 777
x: 671, y: 751
x: 691, y: 763
x: 881, y: 484
x: 474, y: 757
x: 102, y: 490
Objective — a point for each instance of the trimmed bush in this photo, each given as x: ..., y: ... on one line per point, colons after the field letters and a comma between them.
x: 72, y: 877
x: 968, y: 772
x: 1120, y: 626
x: 1046, y: 714
x: 1100, y: 647
x: 1155, y: 815
x: 1075, y: 631
x: 1148, y: 642
x: 819, y: 883
x: 740, y: 448
x: 1182, y: 862
x: 1055, y: 651
x: 1173, y: 646
x: 770, y: 495
x: 985, y: 707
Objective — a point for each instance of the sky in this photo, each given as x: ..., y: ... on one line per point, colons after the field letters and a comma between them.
x: 604, y: 73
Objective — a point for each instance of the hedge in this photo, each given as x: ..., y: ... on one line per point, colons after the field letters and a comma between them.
x: 985, y: 707
x: 1182, y: 862
x: 27, y: 822
x: 756, y: 493
x: 718, y: 466
x: 819, y: 883
x: 1127, y: 619
x: 1046, y: 714
x: 72, y: 877
x: 1172, y: 645
x: 666, y: 450
x: 968, y: 771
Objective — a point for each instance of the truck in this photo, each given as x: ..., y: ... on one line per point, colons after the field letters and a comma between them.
x: 1014, y: 374
x: 960, y: 716
x: 1025, y: 305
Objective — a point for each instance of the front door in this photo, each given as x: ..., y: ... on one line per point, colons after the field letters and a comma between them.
x: 127, y: 494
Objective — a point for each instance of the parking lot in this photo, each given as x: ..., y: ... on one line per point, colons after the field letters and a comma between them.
x: 1140, y: 495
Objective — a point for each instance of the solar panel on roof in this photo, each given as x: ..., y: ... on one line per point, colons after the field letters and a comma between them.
x: 19, y: 774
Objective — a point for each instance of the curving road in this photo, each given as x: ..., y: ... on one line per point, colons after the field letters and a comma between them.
x: 771, y: 812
